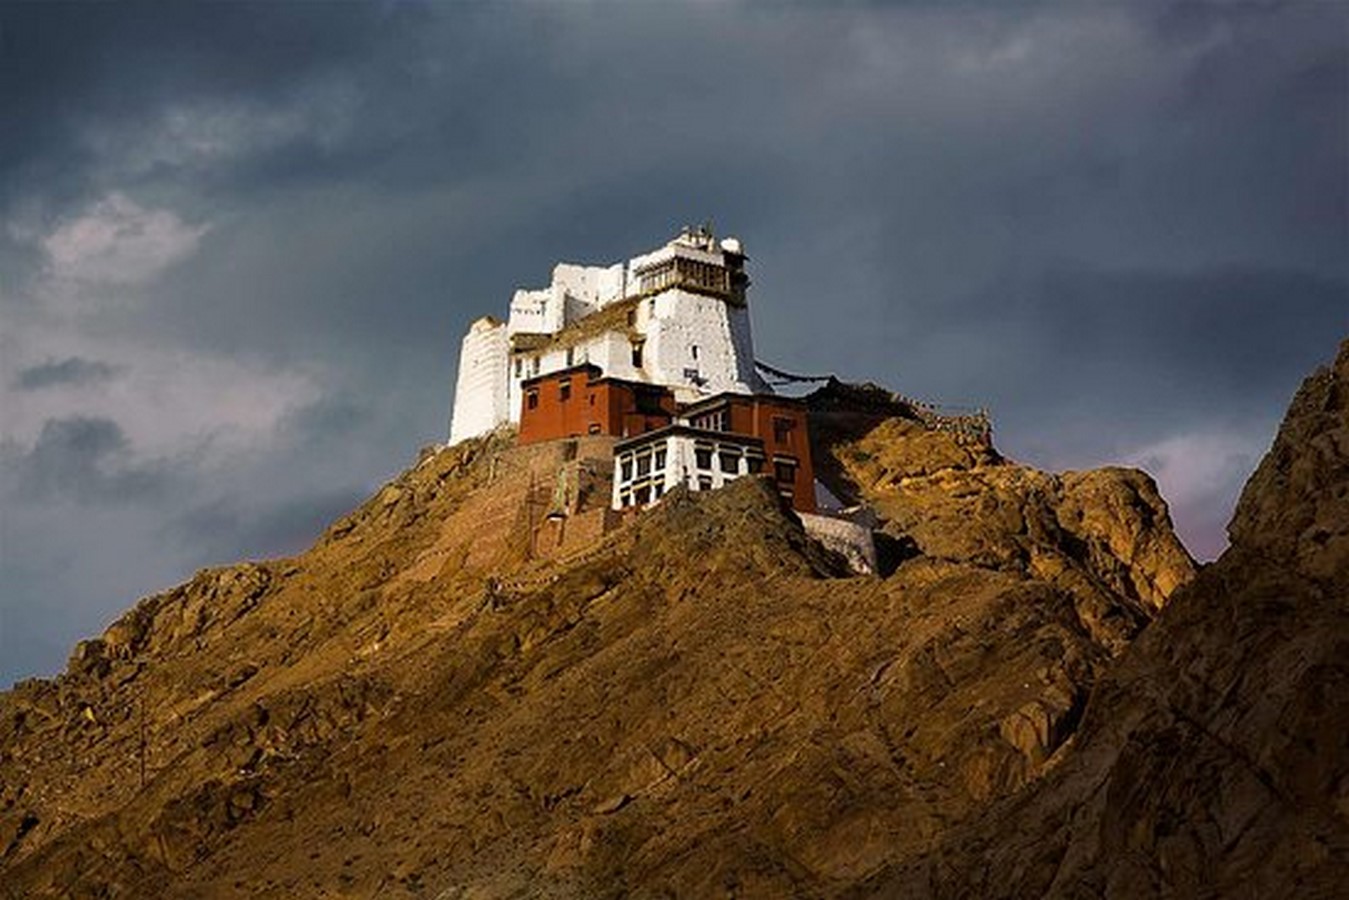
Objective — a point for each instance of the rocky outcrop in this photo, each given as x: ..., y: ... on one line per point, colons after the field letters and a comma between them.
x: 1213, y: 759
x: 704, y: 702
x: 1104, y: 537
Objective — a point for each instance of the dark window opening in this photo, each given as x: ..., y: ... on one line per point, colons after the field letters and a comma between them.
x: 782, y: 429
x: 784, y: 472
x: 643, y: 494
x: 704, y: 483
x: 755, y: 464
x: 626, y: 469
x: 660, y: 460
x: 564, y: 391
x: 648, y: 401
x: 643, y: 465
x: 532, y: 400
x: 730, y: 462
x: 637, y: 356
x: 703, y: 458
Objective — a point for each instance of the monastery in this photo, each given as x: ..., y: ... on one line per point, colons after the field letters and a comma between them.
x: 655, y: 352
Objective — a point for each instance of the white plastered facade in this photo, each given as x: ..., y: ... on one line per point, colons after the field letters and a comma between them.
x: 480, y: 395
x: 696, y: 342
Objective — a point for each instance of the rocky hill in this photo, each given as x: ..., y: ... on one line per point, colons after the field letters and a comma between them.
x: 451, y: 694
x: 1213, y: 758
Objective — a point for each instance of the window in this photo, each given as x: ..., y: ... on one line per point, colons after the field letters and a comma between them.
x: 532, y: 399
x: 636, y: 354
x: 625, y: 468
x: 519, y: 367
x: 703, y: 457
x: 534, y: 364
x: 625, y: 498
x: 564, y: 390
x: 657, y: 491
x: 571, y: 357
x: 784, y: 471
x: 755, y: 464
x: 704, y: 483
x: 648, y: 400
x: 594, y: 427
x: 730, y: 462
x: 693, y: 351
x: 660, y: 460
x: 643, y: 465
x: 713, y: 421
x: 782, y: 429
x: 643, y: 494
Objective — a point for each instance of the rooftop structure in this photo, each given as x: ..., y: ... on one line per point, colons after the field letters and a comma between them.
x: 676, y: 317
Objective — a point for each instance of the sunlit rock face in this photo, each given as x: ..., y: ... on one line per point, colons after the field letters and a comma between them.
x: 451, y: 689
x: 1212, y: 758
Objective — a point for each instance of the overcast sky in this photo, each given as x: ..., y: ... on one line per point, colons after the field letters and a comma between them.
x: 239, y: 244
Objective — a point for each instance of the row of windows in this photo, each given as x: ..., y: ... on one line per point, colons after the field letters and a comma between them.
x: 647, y: 468
x: 705, y: 457
x: 644, y: 464
x: 641, y: 494
x: 563, y: 394
x: 712, y: 421
x: 719, y: 420
x: 728, y: 461
x: 685, y: 271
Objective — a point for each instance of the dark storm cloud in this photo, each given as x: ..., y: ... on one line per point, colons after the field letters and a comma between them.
x: 70, y: 372
x: 1120, y: 225
x: 71, y: 68
x: 1158, y: 347
x: 332, y: 417
x: 82, y: 459
x: 221, y: 532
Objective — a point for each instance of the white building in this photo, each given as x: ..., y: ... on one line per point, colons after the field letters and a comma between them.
x: 675, y: 317
x: 651, y: 465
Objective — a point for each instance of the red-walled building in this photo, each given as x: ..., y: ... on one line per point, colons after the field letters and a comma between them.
x: 581, y: 401
x: 703, y: 445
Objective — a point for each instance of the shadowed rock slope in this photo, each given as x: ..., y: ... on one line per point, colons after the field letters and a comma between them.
x: 701, y: 703
x: 1214, y: 757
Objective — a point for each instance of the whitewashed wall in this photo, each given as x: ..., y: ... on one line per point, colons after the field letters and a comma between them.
x: 680, y: 321
x: 672, y: 324
x: 480, y: 401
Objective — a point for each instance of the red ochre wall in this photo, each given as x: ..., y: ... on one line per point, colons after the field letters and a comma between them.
x: 595, y: 406
x: 754, y: 416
